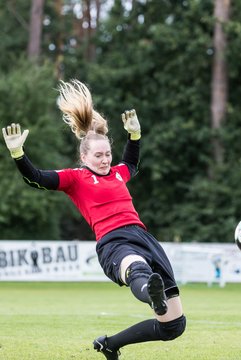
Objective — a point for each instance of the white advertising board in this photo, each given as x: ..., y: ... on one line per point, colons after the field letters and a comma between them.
x: 202, y: 262
x: 77, y: 261
x: 49, y: 261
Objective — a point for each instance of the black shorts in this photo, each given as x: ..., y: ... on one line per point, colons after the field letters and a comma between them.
x: 134, y: 240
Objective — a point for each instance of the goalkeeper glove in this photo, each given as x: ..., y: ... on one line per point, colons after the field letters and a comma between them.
x: 14, y: 139
x: 131, y: 124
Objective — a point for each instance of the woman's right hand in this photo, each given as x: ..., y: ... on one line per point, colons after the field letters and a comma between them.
x: 14, y: 139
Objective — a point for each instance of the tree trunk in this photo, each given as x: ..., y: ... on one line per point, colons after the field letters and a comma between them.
x: 59, y: 68
x: 219, y: 84
x: 35, y: 29
x: 85, y: 27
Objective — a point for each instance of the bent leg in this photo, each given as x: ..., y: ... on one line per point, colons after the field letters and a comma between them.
x: 126, y: 262
x: 145, y: 285
x: 152, y: 329
x: 135, y: 272
x: 174, y: 310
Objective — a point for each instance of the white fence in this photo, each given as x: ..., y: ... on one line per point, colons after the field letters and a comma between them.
x: 77, y: 261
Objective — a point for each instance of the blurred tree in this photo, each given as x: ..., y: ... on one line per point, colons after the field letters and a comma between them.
x: 159, y: 57
x: 164, y: 70
x: 35, y: 29
x: 219, y: 76
x: 59, y: 41
x: 27, y: 97
x: 14, y: 19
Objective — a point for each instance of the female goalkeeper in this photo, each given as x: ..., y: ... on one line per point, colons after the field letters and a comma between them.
x: 128, y: 254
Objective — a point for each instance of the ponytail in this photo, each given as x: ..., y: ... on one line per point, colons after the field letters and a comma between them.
x: 75, y: 102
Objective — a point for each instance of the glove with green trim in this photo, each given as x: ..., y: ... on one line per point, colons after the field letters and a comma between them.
x: 14, y: 139
x: 131, y: 124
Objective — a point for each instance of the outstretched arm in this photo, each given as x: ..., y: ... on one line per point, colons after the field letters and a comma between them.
x: 41, y: 179
x: 131, y: 124
x: 14, y: 139
x: 132, y: 148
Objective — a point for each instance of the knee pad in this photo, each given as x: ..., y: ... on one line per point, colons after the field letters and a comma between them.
x: 136, y: 270
x: 172, y: 329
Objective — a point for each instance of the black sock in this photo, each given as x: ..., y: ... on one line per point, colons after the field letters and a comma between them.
x: 148, y: 330
x: 139, y: 289
x: 141, y: 332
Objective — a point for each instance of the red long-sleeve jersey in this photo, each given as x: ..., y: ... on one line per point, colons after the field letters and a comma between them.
x: 104, y: 201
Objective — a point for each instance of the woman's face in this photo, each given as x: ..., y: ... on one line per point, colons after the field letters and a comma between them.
x: 98, y: 158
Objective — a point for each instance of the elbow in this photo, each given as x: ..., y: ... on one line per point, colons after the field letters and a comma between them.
x: 33, y: 184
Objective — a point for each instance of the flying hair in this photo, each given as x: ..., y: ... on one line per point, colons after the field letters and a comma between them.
x: 75, y: 102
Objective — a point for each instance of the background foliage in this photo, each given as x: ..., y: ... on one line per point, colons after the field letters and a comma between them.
x: 156, y: 57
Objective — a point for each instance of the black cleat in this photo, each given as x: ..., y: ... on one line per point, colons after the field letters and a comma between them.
x: 156, y: 292
x: 100, y: 344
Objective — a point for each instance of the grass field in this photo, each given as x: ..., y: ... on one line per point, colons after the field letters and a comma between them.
x: 58, y: 321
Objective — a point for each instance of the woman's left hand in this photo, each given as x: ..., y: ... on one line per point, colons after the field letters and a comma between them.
x: 131, y: 124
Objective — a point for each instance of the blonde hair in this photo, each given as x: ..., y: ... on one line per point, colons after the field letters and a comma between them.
x: 75, y: 102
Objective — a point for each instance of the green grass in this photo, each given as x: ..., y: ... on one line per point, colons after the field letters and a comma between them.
x: 58, y: 321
